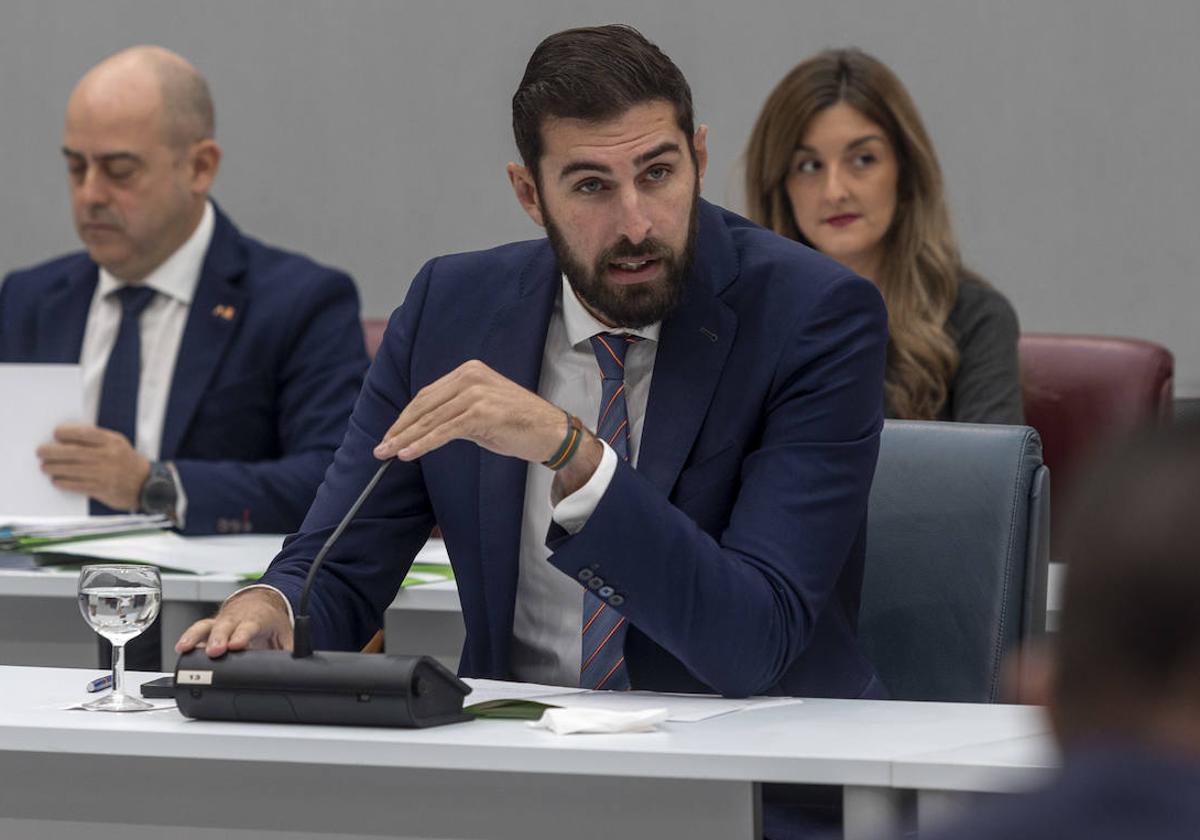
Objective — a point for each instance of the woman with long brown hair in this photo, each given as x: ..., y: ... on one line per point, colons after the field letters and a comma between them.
x: 840, y: 161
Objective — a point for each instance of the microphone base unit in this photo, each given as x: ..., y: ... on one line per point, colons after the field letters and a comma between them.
x: 327, y: 687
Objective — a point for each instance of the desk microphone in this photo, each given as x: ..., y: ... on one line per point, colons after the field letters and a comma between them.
x: 326, y: 687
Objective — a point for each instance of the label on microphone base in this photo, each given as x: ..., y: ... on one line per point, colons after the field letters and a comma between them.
x: 193, y: 677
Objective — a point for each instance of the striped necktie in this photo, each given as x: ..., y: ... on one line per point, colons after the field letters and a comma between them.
x: 602, y: 663
x: 122, y: 373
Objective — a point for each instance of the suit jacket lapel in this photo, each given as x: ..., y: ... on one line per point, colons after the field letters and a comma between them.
x: 212, y: 321
x: 513, y: 347
x: 63, y: 314
x: 693, y: 345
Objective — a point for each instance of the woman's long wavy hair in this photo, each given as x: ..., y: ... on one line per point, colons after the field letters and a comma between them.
x: 920, y: 270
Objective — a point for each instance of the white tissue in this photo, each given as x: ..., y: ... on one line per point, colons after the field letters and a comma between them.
x: 571, y: 721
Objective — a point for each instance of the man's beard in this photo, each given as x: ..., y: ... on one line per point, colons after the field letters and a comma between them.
x: 638, y: 304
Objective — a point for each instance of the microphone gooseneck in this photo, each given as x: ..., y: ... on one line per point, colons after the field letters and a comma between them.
x: 302, y: 633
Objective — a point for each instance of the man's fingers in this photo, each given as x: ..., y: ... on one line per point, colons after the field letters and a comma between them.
x: 244, y: 635
x: 218, y: 636
x: 194, y: 636
x: 449, y: 421
x: 430, y: 398
x: 74, y: 485
x: 82, y: 435
x: 427, y: 401
x: 63, y: 453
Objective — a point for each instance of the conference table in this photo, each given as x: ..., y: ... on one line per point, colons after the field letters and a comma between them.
x: 71, y: 775
x: 40, y: 622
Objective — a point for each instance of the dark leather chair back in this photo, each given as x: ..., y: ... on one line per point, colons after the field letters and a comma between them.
x: 1080, y: 390
x: 373, y: 329
x: 957, y: 553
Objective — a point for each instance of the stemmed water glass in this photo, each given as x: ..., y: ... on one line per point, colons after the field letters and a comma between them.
x: 119, y: 601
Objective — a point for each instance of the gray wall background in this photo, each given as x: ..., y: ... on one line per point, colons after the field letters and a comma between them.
x: 373, y: 135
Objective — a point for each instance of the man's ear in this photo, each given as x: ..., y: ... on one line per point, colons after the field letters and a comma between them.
x: 700, y: 141
x: 525, y: 188
x: 204, y: 159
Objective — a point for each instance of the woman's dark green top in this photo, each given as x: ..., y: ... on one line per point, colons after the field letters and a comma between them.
x: 986, y: 388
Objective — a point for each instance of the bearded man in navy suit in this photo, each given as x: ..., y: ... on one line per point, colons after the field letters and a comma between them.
x: 220, y: 372
x: 660, y: 422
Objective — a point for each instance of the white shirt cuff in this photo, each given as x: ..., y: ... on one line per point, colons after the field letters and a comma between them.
x: 286, y: 602
x: 573, y: 512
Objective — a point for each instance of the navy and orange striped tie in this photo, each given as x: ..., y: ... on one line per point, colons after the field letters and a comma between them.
x: 603, y: 655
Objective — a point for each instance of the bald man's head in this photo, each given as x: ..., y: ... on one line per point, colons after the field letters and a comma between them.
x: 138, y: 141
x: 184, y: 102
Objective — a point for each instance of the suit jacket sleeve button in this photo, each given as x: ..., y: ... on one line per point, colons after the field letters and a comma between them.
x: 596, y: 582
x: 605, y: 591
x: 585, y: 574
x: 615, y: 600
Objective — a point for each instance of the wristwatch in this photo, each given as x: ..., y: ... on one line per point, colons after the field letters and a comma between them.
x: 159, y: 494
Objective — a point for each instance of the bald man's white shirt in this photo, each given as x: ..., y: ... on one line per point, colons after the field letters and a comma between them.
x: 161, y: 330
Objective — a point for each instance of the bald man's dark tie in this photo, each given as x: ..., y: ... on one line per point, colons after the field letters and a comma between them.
x: 118, y: 411
x: 119, y: 390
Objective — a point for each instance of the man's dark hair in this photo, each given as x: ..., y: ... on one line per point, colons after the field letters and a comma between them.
x: 1130, y: 632
x: 594, y: 74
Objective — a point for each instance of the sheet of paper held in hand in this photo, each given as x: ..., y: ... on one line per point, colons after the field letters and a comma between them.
x: 682, y: 708
x: 38, y: 398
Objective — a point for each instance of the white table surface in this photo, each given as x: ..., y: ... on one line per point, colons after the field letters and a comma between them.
x: 656, y: 781
x: 1008, y: 765
x: 817, y: 741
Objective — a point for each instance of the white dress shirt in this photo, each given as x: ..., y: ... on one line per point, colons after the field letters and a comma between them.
x: 160, y: 329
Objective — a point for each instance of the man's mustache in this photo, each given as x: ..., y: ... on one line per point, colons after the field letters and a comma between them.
x: 647, y: 248
x: 101, y: 218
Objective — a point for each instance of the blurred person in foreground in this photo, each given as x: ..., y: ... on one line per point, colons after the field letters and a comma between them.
x: 1123, y: 678
x: 840, y: 160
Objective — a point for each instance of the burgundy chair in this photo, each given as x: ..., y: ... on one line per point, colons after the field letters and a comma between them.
x: 373, y: 329
x: 1080, y: 390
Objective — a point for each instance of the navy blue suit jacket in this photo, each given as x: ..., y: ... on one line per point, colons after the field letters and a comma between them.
x: 737, y: 542
x: 259, y: 399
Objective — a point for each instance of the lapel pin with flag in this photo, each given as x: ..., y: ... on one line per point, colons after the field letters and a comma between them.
x: 224, y: 312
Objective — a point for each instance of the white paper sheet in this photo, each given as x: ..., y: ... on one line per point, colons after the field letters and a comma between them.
x: 38, y: 398
x: 237, y: 554
x: 682, y: 708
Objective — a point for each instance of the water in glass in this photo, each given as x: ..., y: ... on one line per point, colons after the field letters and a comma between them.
x: 119, y: 602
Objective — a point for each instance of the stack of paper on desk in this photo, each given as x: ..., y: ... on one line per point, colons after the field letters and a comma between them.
x: 499, y: 695
x: 31, y: 532
x: 238, y: 555
x: 242, y: 555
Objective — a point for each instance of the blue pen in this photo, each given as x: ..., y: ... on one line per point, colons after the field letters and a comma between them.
x: 99, y: 684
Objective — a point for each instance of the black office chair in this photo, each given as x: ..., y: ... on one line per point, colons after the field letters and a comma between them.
x: 958, y: 542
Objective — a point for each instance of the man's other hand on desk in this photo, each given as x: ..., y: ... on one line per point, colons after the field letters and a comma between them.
x: 254, y: 619
x: 99, y: 463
